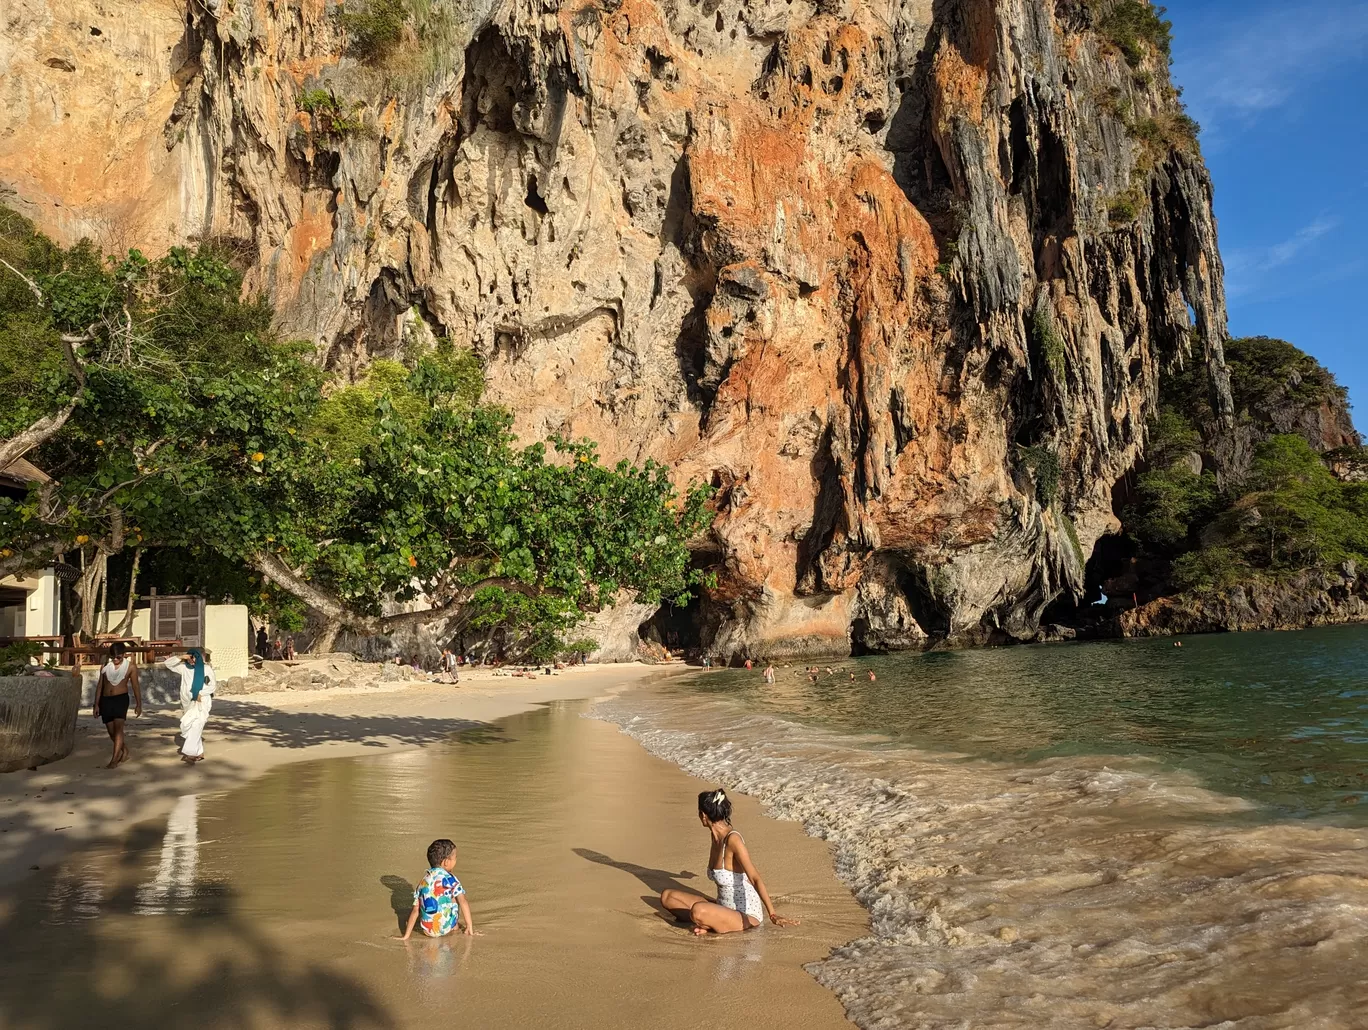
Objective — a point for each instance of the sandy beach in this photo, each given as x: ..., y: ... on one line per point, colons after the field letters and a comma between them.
x: 268, y: 893
x: 46, y: 813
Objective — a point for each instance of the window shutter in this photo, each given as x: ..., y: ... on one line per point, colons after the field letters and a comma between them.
x: 164, y: 620
x: 191, y: 623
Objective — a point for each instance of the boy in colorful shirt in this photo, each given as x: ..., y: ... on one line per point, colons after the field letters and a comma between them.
x: 440, y: 897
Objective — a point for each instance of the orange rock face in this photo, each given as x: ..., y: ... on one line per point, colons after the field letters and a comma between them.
x: 850, y: 263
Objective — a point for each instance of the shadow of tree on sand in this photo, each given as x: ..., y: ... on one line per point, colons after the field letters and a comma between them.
x: 97, y: 943
x: 303, y: 729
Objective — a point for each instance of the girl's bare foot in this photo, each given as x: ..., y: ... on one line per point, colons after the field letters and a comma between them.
x: 700, y: 931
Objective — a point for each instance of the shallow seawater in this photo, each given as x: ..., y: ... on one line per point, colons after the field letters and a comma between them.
x: 1279, y: 718
x: 1094, y: 835
x: 276, y: 905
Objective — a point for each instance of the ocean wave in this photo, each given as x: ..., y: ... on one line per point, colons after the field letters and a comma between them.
x: 1079, y: 892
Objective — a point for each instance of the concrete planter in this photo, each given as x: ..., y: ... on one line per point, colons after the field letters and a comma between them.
x: 37, y: 719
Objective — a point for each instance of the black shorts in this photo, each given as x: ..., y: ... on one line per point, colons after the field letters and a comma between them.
x: 114, y: 706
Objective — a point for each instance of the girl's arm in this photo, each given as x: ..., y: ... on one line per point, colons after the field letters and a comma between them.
x: 413, y: 921
x: 137, y: 691
x: 99, y: 689
x: 464, y: 906
x: 748, y: 867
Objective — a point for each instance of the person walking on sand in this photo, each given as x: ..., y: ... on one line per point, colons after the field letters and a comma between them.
x: 197, y: 698
x: 118, y: 676
x: 741, y: 895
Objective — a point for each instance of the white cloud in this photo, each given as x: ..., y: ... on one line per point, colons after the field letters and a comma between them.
x: 1248, y: 267
x: 1261, y: 62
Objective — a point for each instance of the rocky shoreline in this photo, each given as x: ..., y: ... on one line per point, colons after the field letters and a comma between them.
x: 1302, y: 601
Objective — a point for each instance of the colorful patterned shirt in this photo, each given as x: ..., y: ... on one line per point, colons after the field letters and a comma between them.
x: 436, y: 900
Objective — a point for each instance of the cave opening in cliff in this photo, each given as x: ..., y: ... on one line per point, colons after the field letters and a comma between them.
x: 680, y: 628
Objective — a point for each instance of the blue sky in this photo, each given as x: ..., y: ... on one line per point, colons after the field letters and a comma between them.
x: 1281, y: 91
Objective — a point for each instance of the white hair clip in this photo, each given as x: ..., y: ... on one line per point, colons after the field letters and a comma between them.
x: 719, y: 795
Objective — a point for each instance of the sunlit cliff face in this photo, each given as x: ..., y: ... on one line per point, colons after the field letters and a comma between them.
x: 852, y: 264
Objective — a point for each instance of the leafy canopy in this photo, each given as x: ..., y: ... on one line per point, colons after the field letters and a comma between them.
x: 200, y: 433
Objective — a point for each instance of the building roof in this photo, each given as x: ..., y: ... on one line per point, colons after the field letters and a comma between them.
x: 21, y: 473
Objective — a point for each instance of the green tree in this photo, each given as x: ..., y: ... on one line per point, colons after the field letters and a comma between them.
x: 1171, y: 496
x: 176, y: 420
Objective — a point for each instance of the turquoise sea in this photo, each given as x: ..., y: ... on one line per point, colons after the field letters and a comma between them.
x: 1278, y: 718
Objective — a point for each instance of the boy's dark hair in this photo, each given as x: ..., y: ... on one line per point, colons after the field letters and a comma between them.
x: 715, y: 805
x: 439, y: 851
x: 117, y: 649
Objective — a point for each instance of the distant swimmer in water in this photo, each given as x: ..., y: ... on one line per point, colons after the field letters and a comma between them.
x: 742, y: 900
x: 872, y: 677
x: 769, y: 673
x: 748, y: 664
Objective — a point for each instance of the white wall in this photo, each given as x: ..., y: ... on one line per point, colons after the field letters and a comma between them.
x: 227, y: 638
x: 37, y: 617
x: 42, y: 617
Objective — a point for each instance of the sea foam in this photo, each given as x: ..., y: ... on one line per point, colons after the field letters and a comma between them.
x: 1073, y: 892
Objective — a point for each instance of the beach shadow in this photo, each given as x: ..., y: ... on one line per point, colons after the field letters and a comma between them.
x: 201, y: 963
x: 658, y: 880
x: 401, y: 898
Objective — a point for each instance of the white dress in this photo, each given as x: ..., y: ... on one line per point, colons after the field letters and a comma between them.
x: 195, y: 713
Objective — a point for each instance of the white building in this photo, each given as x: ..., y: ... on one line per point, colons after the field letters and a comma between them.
x: 28, y: 603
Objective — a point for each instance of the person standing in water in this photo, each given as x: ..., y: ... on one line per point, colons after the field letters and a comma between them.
x: 197, y: 698
x: 769, y: 672
x: 741, y: 896
x: 118, y: 676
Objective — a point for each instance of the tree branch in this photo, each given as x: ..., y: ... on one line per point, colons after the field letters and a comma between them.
x: 39, y: 432
x: 27, y: 281
x: 32, y: 558
x: 332, y: 607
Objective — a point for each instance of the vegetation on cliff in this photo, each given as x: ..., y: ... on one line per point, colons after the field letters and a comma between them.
x: 1287, y: 513
x: 174, y: 422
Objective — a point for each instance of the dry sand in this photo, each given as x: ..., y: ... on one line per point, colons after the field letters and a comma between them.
x: 276, y: 904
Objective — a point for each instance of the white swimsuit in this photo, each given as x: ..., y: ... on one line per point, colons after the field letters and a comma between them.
x: 734, y: 889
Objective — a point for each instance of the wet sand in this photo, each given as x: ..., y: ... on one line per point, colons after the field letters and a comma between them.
x: 276, y: 904
x: 45, y: 814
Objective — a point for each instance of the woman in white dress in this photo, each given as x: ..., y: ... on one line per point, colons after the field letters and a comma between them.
x: 197, y: 698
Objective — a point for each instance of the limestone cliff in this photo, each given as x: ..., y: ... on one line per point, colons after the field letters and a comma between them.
x: 898, y: 277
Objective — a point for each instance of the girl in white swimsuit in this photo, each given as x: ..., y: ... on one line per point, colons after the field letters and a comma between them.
x: 742, y: 900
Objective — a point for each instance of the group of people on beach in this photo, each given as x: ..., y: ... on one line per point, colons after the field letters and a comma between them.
x: 276, y: 650
x: 441, y: 906
x: 118, y: 683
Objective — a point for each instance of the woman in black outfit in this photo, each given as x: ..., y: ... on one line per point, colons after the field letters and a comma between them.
x: 117, y: 677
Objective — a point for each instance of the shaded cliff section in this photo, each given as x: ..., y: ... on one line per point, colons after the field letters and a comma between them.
x: 900, y: 280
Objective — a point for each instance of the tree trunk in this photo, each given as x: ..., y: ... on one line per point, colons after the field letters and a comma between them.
x: 102, y: 607
x: 92, y: 577
x: 327, y: 637
x: 126, y: 625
